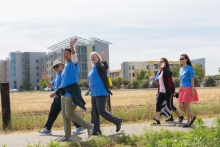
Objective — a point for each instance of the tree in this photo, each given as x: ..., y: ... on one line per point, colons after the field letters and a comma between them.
x: 26, y: 85
x: 141, y: 75
x: 125, y: 82
x: 199, y: 71
x: 86, y: 83
x: 175, y: 70
x: 118, y: 82
x: 147, y: 76
x: 42, y: 84
x: 209, y: 81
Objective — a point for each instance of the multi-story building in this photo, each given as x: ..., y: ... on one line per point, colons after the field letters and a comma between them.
x: 83, y: 48
x: 24, y: 66
x: 28, y: 66
x: 130, y: 70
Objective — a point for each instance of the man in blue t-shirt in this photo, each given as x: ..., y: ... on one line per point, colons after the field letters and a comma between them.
x: 56, y: 105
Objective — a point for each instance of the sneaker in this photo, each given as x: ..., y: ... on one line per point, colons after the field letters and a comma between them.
x: 45, y: 131
x: 78, y: 130
x: 180, y: 120
x: 157, y: 122
x: 186, y: 126
x: 118, y: 126
x: 90, y: 131
x: 192, y: 121
x: 62, y: 139
x: 169, y: 119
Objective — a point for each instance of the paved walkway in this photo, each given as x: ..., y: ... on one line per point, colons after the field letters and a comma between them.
x: 33, y: 138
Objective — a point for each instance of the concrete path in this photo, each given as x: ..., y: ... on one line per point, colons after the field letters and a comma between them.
x: 33, y: 138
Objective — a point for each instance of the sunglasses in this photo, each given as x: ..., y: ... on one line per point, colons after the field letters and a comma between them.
x: 55, y: 66
x: 182, y: 58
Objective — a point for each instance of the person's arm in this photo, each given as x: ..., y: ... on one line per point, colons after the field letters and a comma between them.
x: 103, y: 56
x: 44, y: 76
x: 73, y: 53
x: 193, y: 86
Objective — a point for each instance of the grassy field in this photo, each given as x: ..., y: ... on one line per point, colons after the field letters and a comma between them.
x: 30, y: 109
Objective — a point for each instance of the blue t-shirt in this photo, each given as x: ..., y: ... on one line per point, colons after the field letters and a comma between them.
x: 157, y: 76
x: 70, y: 75
x: 95, y: 83
x: 186, y: 73
x: 57, y: 81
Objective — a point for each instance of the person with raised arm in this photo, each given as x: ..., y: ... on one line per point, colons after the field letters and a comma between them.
x: 71, y: 94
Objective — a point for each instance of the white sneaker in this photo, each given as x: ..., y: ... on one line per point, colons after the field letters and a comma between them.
x: 78, y: 130
x: 90, y: 131
x: 62, y: 139
x: 45, y: 131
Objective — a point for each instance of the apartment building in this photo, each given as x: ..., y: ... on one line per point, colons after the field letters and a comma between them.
x: 24, y: 66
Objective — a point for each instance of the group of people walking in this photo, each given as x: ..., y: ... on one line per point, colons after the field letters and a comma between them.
x: 166, y: 91
x: 67, y: 94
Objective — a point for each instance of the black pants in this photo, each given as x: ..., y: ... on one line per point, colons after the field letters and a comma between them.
x: 169, y: 99
x: 54, y: 112
x: 98, y: 108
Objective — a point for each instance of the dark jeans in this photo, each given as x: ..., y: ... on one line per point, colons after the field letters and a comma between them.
x: 54, y: 112
x: 162, y: 97
x: 98, y: 108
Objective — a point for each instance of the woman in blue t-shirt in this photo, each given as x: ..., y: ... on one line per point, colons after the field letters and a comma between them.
x: 99, y: 90
x: 187, y: 92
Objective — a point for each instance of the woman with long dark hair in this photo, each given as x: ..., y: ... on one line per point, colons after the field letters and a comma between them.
x: 187, y: 92
x: 166, y: 91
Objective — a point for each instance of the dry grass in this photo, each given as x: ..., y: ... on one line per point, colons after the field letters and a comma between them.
x: 40, y: 101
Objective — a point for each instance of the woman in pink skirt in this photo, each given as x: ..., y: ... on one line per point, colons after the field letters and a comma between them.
x: 187, y: 92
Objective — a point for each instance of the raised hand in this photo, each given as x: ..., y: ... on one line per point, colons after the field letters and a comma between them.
x: 72, y: 42
x: 44, y: 75
x: 104, y: 54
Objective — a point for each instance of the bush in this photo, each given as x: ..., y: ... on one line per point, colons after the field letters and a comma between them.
x: 176, y: 82
x: 209, y: 81
x: 134, y: 84
x: 145, y: 84
x: 153, y: 85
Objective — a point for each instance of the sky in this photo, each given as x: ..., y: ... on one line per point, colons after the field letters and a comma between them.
x: 141, y: 30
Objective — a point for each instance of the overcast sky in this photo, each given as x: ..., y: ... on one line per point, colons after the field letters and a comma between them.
x: 140, y: 30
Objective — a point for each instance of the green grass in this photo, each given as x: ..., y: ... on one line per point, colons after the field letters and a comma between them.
x: 200, y: 136
x: 32, y: 120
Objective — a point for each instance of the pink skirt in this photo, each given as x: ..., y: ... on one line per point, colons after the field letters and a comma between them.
x: 185, y: 95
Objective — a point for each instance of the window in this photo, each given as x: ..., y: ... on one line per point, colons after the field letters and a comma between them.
x: 147, y: 66
x: 156, y: 66
x: 36, y: 61
x: 37, y: 74
x: 37, y: 67
x: 129, y: 68
x: 132, y: 67
x: 37, y: 80
x: 137, y: 74
x: 132, y: 74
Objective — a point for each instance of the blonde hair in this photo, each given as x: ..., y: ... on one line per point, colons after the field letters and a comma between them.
x: 97, y: 55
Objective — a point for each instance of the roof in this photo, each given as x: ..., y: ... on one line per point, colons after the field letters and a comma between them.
x: 65, y: 43
x: 117, y: 70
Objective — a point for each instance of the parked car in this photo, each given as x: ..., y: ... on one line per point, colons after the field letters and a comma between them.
x: 47, y: 89
x: 13, y: 90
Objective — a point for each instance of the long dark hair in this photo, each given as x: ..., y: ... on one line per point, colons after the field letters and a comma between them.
x: 166, y: 62
x: 187, y: 58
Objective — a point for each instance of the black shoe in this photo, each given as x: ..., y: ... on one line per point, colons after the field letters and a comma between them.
x: 157, y: 122
x: 169, y: 119
x: 192, y: 121
x: 180, y: 120
x: 186, y: 126
x: 118, y: 126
